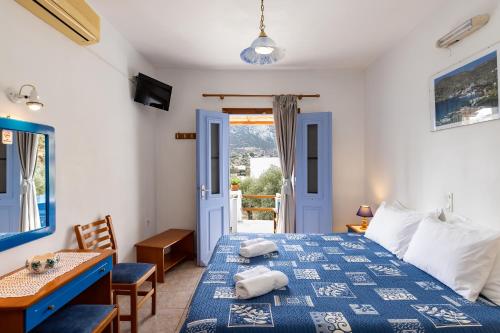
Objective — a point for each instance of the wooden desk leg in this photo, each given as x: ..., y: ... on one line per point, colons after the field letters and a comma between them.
x: 13, y: 321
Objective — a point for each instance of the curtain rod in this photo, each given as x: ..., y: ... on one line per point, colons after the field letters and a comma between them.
x: 222, y: 96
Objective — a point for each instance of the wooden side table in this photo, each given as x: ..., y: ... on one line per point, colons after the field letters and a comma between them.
x: 355, y: 228
x: 180, y: 242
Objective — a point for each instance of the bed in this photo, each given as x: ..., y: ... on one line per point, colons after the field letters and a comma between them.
x: 338, y: 283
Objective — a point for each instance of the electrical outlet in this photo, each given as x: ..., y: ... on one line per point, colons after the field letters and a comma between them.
x: 449, y: 205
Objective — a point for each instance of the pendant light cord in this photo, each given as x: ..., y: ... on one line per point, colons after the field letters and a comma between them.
x: 262, y: 26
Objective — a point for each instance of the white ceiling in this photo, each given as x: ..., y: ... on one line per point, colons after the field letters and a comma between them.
x: 314, y: 33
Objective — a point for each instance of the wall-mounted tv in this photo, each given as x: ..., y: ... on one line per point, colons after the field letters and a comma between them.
x: 152, y: 92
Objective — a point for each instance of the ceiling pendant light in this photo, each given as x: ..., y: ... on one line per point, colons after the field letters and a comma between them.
x: 263, y: 50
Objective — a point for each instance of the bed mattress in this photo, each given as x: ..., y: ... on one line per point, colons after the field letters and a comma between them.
x: 338, y: 283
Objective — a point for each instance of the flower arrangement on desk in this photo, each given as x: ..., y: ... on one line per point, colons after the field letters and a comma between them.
x: 42, y: 263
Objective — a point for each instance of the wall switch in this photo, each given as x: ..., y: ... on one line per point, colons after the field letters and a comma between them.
x: 449, y: 205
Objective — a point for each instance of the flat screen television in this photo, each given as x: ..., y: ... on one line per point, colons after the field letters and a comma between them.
x: 152, y: 92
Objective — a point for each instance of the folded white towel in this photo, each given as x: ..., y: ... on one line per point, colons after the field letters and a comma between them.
x: 258, y: 249
x: 251, y: 242
x: 255, y: 271
x: 261, y: 284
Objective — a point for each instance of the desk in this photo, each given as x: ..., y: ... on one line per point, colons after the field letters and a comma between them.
x: 89, y: 283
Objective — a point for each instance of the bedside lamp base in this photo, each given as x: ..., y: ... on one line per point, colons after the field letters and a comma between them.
x: 364, y: 223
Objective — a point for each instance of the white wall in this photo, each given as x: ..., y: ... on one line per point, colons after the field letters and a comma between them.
x: 104, y: 141
x: 404, y: 159
x: 342, y: 92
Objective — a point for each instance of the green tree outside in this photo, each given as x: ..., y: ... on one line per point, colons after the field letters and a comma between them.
x: 269, y: 182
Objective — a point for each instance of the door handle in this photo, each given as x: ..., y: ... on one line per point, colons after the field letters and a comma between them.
x: 203, y: 192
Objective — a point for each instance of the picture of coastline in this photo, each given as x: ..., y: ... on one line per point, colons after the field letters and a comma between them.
x: 468, y: 94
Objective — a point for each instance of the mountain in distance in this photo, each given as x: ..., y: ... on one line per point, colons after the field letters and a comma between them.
x: 250, y: 141
x: 253, y: 138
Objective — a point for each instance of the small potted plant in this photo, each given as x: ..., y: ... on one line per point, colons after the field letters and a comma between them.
x: 235, y: 184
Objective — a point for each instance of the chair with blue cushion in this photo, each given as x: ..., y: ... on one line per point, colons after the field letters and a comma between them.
x: 81, y: 318
x: 127, y: 278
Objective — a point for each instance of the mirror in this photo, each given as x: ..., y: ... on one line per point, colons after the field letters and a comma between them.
x: 26, y: 182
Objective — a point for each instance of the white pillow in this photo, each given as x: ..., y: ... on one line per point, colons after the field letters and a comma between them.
x: 492, y: 287
x: 458, y: 256
x: 393, y: 227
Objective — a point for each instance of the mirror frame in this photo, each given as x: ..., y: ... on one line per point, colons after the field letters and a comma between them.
x: 49, y: 132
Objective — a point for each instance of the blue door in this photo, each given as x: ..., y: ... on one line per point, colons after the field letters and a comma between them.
x: 212, y: 180
x: 313, y: 173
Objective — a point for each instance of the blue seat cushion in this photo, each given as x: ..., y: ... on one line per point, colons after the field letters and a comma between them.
x: 129, y: 272
x: 78, y: 318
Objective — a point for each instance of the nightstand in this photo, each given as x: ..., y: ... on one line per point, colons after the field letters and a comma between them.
x: 355, y: 228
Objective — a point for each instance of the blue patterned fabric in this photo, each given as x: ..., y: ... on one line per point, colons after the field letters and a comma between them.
x: 129, y: 272
x: 79, y: 318
x: 338, y: 283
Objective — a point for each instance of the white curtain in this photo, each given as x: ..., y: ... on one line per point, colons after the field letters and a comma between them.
x: 285, y: 119
x: 28, y: 151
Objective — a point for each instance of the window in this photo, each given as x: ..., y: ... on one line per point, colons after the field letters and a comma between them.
x: 312, y: 158
x: 214, y: 158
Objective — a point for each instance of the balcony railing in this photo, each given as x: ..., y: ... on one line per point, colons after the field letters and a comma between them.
x: 274, y: 209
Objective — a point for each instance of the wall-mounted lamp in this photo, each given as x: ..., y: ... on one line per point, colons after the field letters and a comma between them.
x: 32, y: 100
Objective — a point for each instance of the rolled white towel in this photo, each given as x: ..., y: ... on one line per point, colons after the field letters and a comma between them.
x: 258, y: 249
x: 251, y: 242
x: 255, y: 271
x: 261, y: 284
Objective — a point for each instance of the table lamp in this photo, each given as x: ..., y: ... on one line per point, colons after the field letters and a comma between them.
x: 365, y: 212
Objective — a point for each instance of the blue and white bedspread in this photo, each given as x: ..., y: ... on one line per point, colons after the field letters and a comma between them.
x: 338, y: 283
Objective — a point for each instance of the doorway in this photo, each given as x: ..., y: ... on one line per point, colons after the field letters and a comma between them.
x: 313, y: 177
x: 255, y: 174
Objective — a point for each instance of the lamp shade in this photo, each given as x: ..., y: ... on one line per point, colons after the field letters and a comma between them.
x: 364, y: 211
x: 263, y: 51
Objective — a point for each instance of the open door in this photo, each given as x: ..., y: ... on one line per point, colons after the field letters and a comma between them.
x: 212, y: 180
x: 313, y: 173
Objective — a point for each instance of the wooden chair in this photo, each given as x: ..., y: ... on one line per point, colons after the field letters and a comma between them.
x: 127, y: 278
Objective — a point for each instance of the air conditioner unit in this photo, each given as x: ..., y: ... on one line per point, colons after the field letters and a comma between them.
x: 463, y: 30
x: 74, y: 18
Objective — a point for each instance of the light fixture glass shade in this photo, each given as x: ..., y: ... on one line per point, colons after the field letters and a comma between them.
x: 34, y: 106
x: 33, y: 102
x: 262, y: 51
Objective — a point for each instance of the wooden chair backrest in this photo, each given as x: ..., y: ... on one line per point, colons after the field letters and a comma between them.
x: 97, y: 235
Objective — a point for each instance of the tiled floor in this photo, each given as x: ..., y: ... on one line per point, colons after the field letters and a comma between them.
x: 173, y: 298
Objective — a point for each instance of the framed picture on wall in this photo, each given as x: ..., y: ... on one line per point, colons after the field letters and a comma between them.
x: 466, y: 93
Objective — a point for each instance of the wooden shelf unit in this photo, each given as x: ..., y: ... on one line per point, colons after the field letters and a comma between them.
x: 173, y: 258
x: 166, y: 250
